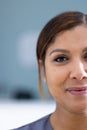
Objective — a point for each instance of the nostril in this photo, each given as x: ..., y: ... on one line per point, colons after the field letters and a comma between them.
x: 78, y: 71
x: 78, y: 76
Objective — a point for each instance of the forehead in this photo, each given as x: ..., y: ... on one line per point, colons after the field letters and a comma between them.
x: 74, y: 38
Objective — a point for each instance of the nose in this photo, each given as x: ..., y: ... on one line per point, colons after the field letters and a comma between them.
x: 79, y: 71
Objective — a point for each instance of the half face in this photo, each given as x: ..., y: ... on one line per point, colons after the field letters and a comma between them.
x: 66, y: 69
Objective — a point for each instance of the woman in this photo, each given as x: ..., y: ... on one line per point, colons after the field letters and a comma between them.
x: 62, y: 61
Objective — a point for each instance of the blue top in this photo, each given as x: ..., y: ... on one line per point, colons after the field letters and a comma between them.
x: 40, y: 124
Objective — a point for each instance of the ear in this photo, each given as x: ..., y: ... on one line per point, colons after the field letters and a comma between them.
x: 42, y: 69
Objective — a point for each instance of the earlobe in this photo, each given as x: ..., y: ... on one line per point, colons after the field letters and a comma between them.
x: 42, y: 69
x: 44, y: 79
x: 44, y: 75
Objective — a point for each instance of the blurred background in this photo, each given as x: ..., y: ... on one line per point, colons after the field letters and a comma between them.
x: 20, y: 24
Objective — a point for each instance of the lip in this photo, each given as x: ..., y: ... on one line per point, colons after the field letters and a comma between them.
x: 77, y: 90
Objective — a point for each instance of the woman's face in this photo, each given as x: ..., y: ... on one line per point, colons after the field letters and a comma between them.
x: 66, y: 69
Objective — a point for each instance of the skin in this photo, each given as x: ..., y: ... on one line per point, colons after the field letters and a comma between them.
x: 66, y: 67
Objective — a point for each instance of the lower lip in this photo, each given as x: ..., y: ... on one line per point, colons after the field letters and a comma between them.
x: 77, y: 93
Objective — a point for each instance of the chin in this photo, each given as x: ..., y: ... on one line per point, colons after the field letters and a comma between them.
x: 79, y: 109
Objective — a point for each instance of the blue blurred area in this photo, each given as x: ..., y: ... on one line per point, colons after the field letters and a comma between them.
x: 20, y: 24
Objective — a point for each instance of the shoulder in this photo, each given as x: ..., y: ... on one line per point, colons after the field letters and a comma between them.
x: 40, y: 124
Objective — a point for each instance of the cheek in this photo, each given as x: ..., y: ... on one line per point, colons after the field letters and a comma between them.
x: 56, y: 79
x: 55, y: 76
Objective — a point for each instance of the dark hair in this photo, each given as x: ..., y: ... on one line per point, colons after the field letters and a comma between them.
x: 60, y: 23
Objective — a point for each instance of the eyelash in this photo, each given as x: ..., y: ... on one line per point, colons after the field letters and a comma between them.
x: 61, y: 59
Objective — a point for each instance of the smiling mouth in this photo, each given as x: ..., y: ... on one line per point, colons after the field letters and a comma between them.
x: 77, y: 90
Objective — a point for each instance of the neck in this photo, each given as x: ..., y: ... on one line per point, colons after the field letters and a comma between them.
x: 65, y: 120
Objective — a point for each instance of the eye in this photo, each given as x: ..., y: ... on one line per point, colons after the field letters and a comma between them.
x: 61, y: 58
x: 85, y: 56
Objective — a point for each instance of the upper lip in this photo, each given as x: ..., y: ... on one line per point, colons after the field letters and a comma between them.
x: 77, y: 88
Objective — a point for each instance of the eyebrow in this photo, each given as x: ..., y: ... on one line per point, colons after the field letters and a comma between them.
x: 59, y: 50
